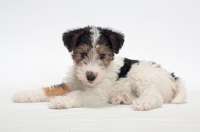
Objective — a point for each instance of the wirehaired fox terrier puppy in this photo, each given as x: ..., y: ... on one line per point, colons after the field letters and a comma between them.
x: 98, y: 78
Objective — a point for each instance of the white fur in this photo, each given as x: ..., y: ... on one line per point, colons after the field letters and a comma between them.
x: 94, y: 64
x: 95, y: 36
x: 30, y: 96
x: 145, y: 87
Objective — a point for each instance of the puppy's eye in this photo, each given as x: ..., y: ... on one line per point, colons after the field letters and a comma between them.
x: 101, y: 56
x: 83, y: 55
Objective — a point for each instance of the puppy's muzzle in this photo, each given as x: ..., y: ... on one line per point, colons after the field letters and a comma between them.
x: 90, y: 76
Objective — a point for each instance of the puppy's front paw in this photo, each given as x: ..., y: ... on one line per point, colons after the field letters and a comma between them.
x: 121, y: 98
x: 141, y: 105
x: 60, y: 102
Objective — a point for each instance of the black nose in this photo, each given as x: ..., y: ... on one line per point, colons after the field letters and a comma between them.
x: 90, y: 76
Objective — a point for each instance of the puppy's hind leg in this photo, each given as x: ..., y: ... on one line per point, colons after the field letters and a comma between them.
x: 149, y: 98
x: 40, y: 95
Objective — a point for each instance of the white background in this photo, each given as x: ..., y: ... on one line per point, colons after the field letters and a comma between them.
x: 32, y: 52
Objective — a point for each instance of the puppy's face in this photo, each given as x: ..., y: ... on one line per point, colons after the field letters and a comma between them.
x: 92, y: 50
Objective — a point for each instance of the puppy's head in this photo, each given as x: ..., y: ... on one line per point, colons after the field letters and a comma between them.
x: 93, y: 49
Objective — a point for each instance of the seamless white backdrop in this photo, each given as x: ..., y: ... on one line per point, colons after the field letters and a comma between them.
x: 32, y: 52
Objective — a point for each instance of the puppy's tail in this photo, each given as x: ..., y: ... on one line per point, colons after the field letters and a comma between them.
x: 180, y: 93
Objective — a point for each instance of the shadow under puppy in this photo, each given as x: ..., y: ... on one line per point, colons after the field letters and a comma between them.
x: 97, y: 77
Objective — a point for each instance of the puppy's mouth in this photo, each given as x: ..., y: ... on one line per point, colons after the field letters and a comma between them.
x: 90, y: 81
x: 92, y: 84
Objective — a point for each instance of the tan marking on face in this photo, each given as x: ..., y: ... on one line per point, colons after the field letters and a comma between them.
x: 57, y: 90
x: 103, y: 49
x: 79, y: 51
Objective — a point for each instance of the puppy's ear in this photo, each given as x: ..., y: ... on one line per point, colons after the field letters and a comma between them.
x: 116, y: 39
x: 70, y: 38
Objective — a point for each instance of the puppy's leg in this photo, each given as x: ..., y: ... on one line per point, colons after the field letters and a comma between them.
x: 149, y: 98
x: 77, y: 99
x: 40, y: 95
x: 122, y: 98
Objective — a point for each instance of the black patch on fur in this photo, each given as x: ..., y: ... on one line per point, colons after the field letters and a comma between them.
x: 175, y: 78
x: 111, y: 38
x: 85, y: 38
x: 153, y: 63
x: 126, y: 67
x: 74, y: 38
x: 104, y: 40
x: 59, y: 85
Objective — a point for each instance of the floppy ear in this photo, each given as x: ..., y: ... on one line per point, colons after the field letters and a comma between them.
x: 116, y: 39
x: 70, y: 38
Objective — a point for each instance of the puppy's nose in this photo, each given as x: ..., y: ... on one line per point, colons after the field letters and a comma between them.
x: 90, y: 76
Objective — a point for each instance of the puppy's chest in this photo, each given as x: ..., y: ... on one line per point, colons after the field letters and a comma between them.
x: 111, y: 87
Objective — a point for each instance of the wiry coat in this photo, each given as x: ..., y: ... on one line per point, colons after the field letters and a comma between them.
x: 98, y: 77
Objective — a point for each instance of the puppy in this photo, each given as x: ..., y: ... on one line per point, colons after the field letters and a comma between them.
x: 98, y: 77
